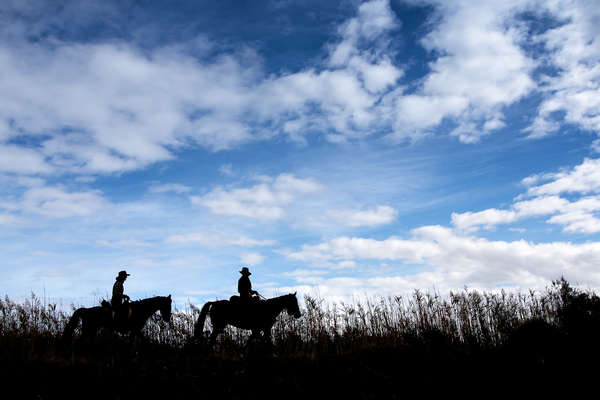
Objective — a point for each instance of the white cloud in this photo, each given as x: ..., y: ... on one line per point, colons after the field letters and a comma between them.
x: 215, y: 239
x: 574, y: 51
x: 54, y: 202
x: 50, y: 201
x: 151, y: 262
x: 584, y: 179
x: 125, y: 243
x: 576, y: 215
x: 348, y: 249
x: 123, y: 108
x: 8, y: 219
x: 170, y: 187
x: 112, y: 107
x: 580, y: 216
x: 452, y: 261
x: 226, y: 169
x: 373, y: 20
x: 265, y: 201
x: 480, y: 69
x: 307, y: 276
x: 540, y: 206
x: 252, y: 258
x: 22, y: 160
x: 471, y: 220
x: 13, y: 181
x: 370, y: 217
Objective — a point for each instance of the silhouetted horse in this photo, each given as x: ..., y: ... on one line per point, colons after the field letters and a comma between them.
x: 254, y: 316
x: 94, y: 318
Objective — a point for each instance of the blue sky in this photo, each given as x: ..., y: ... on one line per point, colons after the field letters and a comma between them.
x: 338, y: 148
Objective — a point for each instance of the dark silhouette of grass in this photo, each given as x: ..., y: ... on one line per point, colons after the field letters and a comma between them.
x: 380, y: 348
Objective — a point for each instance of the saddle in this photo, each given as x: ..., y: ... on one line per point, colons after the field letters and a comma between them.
x: 120, y: 314
x: 244, y: 309
x: 237, y: 300
x: 125, y: 312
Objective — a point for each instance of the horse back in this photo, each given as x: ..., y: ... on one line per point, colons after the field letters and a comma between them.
x: 245, y: 315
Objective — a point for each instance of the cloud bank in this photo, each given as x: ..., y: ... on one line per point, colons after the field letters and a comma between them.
x: 451, y: 261
x: 112, y: 106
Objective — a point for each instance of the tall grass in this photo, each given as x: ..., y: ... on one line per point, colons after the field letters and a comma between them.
x: 466, y: 317
x: 373, y: 348
x: 31, y: 318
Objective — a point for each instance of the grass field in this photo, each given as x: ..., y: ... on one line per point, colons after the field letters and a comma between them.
x: 375, y: 349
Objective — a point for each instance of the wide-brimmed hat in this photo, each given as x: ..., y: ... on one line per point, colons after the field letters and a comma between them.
x: 123, y: 274
x: 245, y: 271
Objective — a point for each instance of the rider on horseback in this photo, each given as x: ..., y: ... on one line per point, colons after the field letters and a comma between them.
x: 120, y: 301
x: 245, y: 287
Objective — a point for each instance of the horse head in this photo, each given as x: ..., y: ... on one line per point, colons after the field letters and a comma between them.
x: 165, y: 308
x: 291, y: 305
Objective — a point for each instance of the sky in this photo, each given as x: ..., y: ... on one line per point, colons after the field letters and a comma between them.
x: 338, y: 149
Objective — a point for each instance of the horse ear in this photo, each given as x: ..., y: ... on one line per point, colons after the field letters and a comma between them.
x: 169, y: 296
x: 295, y: 293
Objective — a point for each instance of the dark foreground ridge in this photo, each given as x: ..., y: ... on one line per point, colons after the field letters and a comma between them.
x: 547, y: 343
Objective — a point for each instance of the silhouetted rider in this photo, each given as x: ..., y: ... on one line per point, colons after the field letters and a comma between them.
x: 117, y: 294
x: 119, y: 300
x: 245, y: 287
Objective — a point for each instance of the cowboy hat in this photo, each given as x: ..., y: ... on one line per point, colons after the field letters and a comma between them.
x: 245, y: 271
x: 123, y: 274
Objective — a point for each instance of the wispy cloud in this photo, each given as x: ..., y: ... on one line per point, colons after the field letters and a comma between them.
x: 124, y: 243
x: 170, y: 187
x: 576, y: 215
x: 213, y: 239
x: 379, y: 215
x: 265, y: 201
x: 252, y: 258
x: 8, y: 219
x: 226, y: 169
x: 55, y: 202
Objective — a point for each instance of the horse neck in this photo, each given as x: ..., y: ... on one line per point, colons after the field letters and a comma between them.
x: 147, y: 307
x: 277, y: 304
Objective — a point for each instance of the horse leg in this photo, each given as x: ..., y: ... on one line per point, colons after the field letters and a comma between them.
x: 88, y: 334
x: 88, y: 330
x: 268, y: 340
x: 137, y: 340
x: 217, y: 330
x: 255, y: 334
x: 267, y: 335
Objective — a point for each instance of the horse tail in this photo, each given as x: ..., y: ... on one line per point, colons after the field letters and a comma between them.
x: 72, y: 324
x: 199, y: 326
